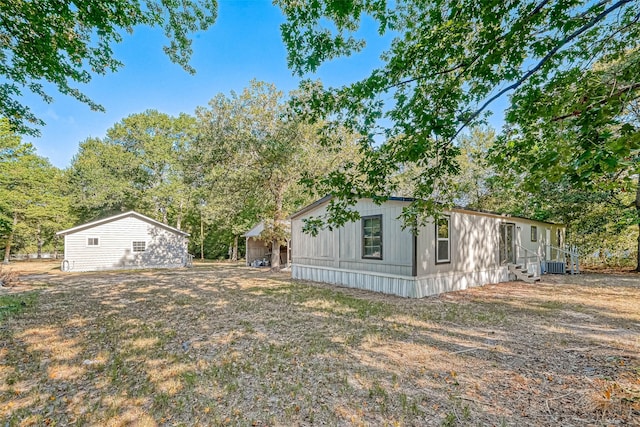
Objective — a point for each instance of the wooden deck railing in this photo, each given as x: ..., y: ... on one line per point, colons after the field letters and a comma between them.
x: 530, y: 258
x: 568, y: 256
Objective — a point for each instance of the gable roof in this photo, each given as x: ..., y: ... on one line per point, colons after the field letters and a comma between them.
x: 116, y: 218
x: 259, y: 228
x: 255, y: 231
x: 326, y: 199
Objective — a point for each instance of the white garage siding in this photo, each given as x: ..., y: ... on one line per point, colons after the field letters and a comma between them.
x: 119, y: 244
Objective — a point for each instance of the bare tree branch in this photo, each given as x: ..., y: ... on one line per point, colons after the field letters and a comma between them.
x: 617, y: 94
x: 466, y: 65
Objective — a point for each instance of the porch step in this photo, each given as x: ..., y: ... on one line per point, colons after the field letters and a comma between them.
x: 521, y: 274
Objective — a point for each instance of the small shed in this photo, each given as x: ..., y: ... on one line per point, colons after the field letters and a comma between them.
x: 259, y: 250
x: 124, y: 241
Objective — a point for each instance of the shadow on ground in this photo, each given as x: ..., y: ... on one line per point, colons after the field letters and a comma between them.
x: 223, y: 344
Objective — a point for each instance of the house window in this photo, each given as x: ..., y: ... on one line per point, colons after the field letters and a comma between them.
x: 93, y: 241
x: 443, y: 247
x: 534, y: 233
x: 139, y: 246
x: 372, y: 237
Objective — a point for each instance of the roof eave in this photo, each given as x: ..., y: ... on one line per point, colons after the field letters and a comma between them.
x: 326, y: 199
x: 115, y: 218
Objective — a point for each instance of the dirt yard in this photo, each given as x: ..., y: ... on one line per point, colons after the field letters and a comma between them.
x: 227, y: 345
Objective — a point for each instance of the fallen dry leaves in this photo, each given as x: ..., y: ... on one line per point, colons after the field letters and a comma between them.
x: 227, y: 345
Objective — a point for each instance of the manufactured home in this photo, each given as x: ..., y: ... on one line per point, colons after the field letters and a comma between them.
x: 125, y: 241
x: 464, y: 248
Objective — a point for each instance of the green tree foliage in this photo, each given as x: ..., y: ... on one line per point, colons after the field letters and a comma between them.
x: 100, y: 179
x: 586, y: 131
x: 472, y: 184
x: 228, y: 198
x: 470, y: 187
x: 66, y: 43
x: 448, y: 62
x: 598, y: 221
x: 581, y: 136
x: 32, y: 202
x: 139, y: 165
x: 599, y: 215
x: 254, y: 154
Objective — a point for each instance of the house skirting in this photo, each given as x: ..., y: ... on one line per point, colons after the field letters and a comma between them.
x: 404, y: 286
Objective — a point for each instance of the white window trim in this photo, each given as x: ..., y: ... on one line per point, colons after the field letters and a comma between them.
x: 138, y: 241
x: 447, y: 239
x: 378, y: 217
x: 92, y: 246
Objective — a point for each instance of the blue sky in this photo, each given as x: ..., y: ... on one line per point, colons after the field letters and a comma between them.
x: 243, y: 44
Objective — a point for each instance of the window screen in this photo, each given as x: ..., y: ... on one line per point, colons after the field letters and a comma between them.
x: 372, y: 237
x: 139, y: 246
x: 442, y: 240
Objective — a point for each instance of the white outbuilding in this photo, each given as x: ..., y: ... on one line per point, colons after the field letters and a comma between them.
x: 125, y: 241
x: 259, y: 249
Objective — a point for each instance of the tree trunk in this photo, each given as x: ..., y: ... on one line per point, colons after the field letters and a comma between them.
x: 179, y: 219
x: 638, y: 212
x: 7, y: 248
x: 275, y: 244
x: 40, y: 243
x: 55, y: 247
x: 161, y: 210
x: 638, y: 256
x: 234, y: 251
x: 275, y: 255
x: 201, y: 237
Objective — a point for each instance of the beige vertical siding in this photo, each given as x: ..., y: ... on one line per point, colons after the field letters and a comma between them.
x: 335, y: 256
x: 475, y: 240
x: 342, y: 248
x: 473, y: 244
x: 164, y: 248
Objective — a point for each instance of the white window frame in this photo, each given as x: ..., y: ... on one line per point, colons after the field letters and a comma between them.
x: 133, y: 246
x: 89, y: 245
x: 439, y: 259
x: 364, y: 237
x: 534, y: 235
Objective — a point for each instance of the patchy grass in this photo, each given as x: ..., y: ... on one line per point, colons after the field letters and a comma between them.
x: 11, y: 305
x: 34, y: 266
x: 225, y: 345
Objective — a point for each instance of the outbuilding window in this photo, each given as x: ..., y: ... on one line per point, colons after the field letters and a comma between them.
x: 372, y: 237
x: 139, y: 246
x: 534, y: 233
x: 93, y: 241
x: 443, y: 246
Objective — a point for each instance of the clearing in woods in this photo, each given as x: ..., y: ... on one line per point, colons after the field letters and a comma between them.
x: 223, y: 344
